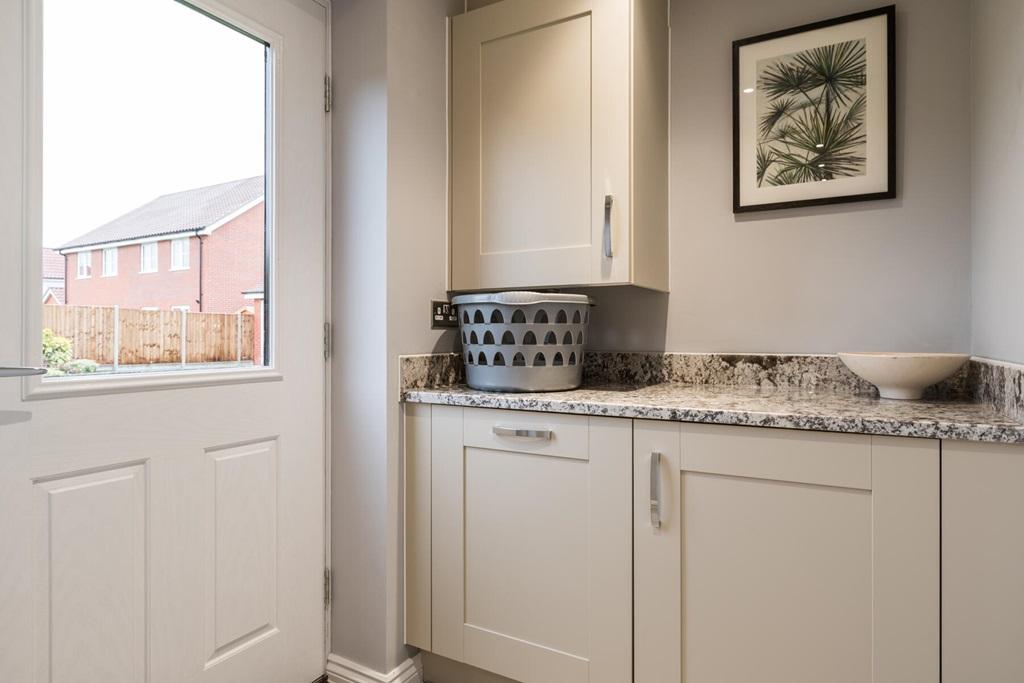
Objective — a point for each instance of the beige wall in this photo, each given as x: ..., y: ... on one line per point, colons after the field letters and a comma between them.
x: 417, y: 226
x: 359, y: 417
x: 390, y: 189
x: 869, y: 276
x: 998, y: 178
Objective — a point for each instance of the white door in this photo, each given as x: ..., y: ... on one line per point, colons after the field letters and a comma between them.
x: 168, y: 528
x: 540, y: 144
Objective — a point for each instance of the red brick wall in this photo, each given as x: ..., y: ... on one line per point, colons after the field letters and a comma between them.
x: 233, y: 262
x: 132, y: 289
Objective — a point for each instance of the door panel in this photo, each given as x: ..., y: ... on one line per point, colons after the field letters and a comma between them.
x: 535, y: 557
x: 540, y: 110
x: 535, y: 105
x: 241, y: 548
x: 784, y: 556
x: 92, y: 572
x: 175, y: 534
x: 761, y: 564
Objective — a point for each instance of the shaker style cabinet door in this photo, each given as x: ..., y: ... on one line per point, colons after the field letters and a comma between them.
x: 530, y: 544
x: 982, y: 562
x: 542, y: 95
x: 782, y: 556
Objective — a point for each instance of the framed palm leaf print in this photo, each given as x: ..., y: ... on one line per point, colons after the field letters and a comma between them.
x: 814, y: 114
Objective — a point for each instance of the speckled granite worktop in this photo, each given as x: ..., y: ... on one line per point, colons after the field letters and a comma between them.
x: 780, y: 407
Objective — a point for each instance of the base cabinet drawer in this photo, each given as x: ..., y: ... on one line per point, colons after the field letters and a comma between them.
x: 784, y: 557
x: 530, y: 542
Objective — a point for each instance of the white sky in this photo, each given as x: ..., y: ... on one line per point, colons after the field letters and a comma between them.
x: 142, y: 98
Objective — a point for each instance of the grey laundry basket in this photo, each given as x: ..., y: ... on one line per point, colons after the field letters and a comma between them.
x: 523, y: 341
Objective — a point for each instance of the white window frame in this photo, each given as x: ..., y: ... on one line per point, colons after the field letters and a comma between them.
x: 156, y: 257
x: 179, y: 256
x: 181, y: 309
x: 83, y: 265
x: 109, y: 258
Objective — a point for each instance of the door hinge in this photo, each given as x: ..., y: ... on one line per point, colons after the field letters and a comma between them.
x: 328, y: 95
x: 327, y: 341
x: 327, y: 587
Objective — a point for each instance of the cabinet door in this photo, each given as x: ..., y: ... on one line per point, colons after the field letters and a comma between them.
x: 531, y: 561
x: 785, y: 556
x: 982, y: 562
x: 540, y: 127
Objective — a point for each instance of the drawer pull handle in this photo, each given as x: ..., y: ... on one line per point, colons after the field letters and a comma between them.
x: 608, y: 226
x: 656, y: 490
x: 545, y: 434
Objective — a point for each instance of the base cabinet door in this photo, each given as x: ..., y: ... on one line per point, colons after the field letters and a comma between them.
x: 531, y: 544
x: 781, y: 556
x: 982, y: 562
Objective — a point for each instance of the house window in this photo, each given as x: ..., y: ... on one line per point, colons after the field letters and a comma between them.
x: 179, y: 254
x: 110, y: 262
x: 181, y: 309
x: 149, y: 262
x: 84, y: 264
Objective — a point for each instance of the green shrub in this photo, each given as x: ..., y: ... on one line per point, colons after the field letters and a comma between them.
x: 80, y: 366
x: 56, y: 349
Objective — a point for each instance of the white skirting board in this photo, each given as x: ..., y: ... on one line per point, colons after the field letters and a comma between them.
x: 341, y: 670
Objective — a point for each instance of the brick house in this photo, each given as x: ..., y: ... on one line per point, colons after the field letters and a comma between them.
x: 197, y: 250
x: 53, y: 277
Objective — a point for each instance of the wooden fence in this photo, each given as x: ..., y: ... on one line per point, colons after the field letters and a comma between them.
x: 135, y: 337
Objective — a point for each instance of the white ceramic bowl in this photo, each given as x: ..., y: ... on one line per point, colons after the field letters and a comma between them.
x: 903, y: 375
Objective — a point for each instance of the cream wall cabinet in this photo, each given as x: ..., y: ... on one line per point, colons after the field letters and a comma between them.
x: 982, y: 563
x: 559, y: 144
x: 785, y: 557
x: 518, y: 548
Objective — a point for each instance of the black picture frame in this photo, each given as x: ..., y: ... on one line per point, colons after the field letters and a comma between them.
x: 889, y: 12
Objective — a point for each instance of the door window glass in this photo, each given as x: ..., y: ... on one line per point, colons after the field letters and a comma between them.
x: 164, y: 168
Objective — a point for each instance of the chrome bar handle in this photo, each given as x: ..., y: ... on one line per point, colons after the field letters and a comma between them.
x: 21, y: 371
x: 544, y: 434
x: 608, y: 226
x: 656, y: 490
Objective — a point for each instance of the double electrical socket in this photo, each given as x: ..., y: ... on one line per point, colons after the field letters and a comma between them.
x: 443, y: 315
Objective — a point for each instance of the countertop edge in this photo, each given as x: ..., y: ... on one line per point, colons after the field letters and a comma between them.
x: 873, y: 426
